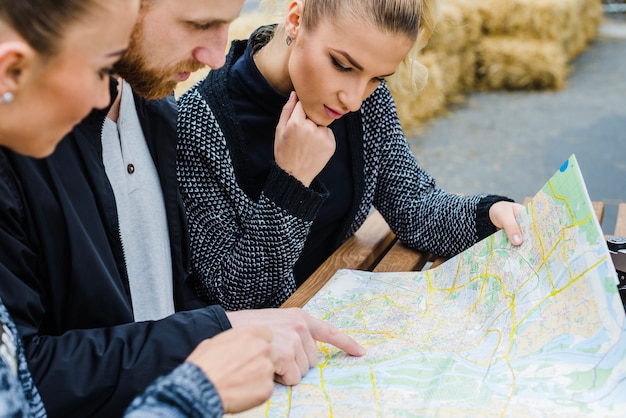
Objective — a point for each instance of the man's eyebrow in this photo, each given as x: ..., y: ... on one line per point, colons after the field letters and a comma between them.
x: 116, y: 53
x: 208, y: 22
x: 353, y: 62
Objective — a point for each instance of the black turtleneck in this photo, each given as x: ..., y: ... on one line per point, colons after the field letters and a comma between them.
x: 258, y: 106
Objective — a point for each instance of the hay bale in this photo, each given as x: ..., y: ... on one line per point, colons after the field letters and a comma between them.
x: 593, y: 11
x: 415, y: 108
x: 572, y: 23
x: 511, y: 63
x: 468, y: 63
x: 451, y: 70
x: 455, y: 30
x: 472, y: 21
x: 244, y: 25
x: 454, y: 44
x: 540, y: 19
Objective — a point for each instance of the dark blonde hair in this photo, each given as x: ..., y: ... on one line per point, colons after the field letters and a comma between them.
x: 42, y: 23
x: 416, y: 19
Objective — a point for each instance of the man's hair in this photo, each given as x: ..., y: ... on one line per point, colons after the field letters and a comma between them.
x: 43, y: 23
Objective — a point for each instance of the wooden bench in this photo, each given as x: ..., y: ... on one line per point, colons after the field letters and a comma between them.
x: 374, y: 247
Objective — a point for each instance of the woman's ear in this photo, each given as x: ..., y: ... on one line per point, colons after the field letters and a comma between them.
x: 293, y: 19
x: 16, y: 57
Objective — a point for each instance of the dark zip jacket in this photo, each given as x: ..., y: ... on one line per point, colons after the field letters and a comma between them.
x: 64, y: 278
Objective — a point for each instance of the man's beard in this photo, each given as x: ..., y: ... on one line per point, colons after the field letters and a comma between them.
x: 149, y: 83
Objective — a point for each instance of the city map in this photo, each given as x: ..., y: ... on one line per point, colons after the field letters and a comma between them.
x: 536, y: 330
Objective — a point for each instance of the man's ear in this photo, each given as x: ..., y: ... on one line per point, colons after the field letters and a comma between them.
x: 293, y: 19
x: 16, y: 57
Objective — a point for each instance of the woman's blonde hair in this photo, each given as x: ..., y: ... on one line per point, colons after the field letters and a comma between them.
x: 414, y: 18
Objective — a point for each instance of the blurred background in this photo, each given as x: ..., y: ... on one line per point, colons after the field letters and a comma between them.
x: 515, y: 88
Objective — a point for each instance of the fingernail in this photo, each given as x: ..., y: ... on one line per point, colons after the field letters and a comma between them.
x: 516, y: 239
x: 291, y: 95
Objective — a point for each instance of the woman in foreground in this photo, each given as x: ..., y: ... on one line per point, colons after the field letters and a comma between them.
x: 55, y: 60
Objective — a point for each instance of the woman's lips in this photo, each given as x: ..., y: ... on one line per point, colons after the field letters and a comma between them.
x: 333, y: 114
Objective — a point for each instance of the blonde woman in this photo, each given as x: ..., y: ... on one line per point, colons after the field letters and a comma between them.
x: 284, y: 151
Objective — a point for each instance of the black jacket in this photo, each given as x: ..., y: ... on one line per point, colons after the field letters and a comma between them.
x: 64, y: 278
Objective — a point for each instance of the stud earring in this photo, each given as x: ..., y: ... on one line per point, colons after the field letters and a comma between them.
x: 288, y: 40
x: 6, y: 98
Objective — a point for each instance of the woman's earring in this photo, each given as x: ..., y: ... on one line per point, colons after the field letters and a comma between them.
x: 288, y: 40
x: 6, y: 98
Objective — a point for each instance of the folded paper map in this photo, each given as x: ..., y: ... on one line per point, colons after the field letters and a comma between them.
x: 535, y: 330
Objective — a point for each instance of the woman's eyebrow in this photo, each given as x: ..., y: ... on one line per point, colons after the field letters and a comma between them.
x: 353, y: 62
x: 349, y: 58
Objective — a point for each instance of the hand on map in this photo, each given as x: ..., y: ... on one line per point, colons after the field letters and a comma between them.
x: 295, y: 333
x: 503, y: 215
x: 239, y: 364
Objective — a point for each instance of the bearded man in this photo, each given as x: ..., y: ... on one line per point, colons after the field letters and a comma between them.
x: 97, y: 278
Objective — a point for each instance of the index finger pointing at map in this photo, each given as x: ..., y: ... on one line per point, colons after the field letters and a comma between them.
x: 324, y: 332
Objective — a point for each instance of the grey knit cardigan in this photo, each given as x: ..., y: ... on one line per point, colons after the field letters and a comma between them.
x: 244, y: 250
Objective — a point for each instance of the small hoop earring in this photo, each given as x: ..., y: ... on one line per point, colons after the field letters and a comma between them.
x: 6, y: 98
x: 288, y: 40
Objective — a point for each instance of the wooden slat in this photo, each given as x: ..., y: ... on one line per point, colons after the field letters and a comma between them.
x: 362, y: 251
x: 402, y: 258
x: 438, y: 261
x: 620, y: 225
x: 598, y: 208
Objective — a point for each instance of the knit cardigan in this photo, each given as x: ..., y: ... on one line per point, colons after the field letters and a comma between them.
x: 244, y: 249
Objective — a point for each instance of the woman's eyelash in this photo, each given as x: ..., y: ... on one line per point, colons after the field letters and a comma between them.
x: 343, y: 69
x: 338, y: 65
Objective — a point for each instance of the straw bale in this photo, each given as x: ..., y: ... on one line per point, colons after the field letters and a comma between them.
x: 458, y: 70
x: 455, y: 29
x: 541, y: 19
x: 512, y: 63
x: 571, y: 22
x: 595, y: 13
x: 471, y: 18
x: 244, y: 25
x: 454, y: 44
x: 467, y: 64
x: 450, y: 67
x: 414, y: 108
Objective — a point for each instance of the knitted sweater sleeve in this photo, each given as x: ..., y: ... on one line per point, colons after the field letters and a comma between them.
x: 423, y: 216
x: 185, y: 392
x: 243, y: 250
